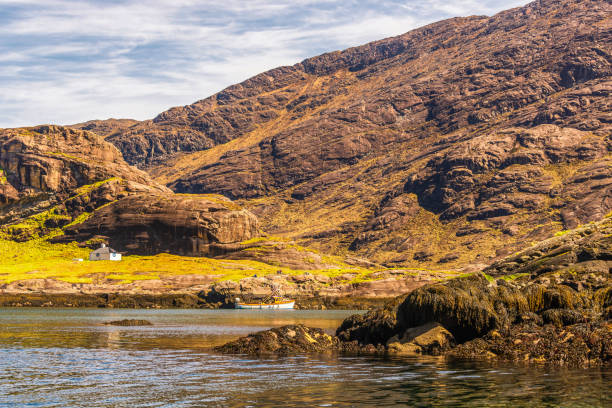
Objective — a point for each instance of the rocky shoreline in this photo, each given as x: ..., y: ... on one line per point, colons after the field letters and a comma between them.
x: 170, y: 301
x: 310, y: 290
x: 549, y: 304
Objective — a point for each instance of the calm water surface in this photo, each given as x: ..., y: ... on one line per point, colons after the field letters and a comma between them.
x: 68, y: 358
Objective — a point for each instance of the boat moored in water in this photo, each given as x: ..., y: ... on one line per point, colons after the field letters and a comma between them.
x: 276, y: 302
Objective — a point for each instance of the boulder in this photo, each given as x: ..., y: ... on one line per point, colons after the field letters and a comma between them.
x: 431, y: 338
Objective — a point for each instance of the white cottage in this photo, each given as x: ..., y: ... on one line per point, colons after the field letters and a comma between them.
x: 104, y: 253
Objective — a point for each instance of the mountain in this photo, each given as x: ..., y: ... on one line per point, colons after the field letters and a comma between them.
x: 451, y: 145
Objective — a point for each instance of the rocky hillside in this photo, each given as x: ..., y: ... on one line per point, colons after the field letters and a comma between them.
x: 452, y: 144
x: 71, y: 185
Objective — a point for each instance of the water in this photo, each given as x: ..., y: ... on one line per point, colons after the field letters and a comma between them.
x: 68, y: 358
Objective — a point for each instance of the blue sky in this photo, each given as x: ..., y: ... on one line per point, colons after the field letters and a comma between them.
x: 64, y: 61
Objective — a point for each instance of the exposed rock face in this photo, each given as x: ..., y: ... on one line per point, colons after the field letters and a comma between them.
x: 153, y: 223
x: 464, y: 129
x: 283, y: 340
x: 452, y: 183
x: 54, y: 158
x: 44, y: 165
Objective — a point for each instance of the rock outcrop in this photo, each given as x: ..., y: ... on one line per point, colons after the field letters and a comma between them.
x: 54, y: 160
x: 152, y: 223
x: 430, y: 338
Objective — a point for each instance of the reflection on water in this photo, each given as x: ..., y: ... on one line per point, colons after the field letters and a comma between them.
x: 66, y: 357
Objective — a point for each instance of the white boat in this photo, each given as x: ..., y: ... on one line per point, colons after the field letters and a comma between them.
x: 276, y: 302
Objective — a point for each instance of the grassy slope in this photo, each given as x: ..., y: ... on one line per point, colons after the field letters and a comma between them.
x: 36, y: 258
x: 41, y: 259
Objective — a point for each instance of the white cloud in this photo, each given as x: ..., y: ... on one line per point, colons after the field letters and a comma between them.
x: 69, y: 61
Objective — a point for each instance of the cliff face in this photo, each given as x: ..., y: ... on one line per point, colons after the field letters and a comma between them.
x: 53, y: 159
x: 448, y: 144
x: 71, y: 185
x: 152, y: 223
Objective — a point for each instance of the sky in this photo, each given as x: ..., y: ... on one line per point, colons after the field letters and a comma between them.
x: 65, y: 61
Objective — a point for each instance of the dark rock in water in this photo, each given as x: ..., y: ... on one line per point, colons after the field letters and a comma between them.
x: 283, y: 340
x: 129, y: 322
x: 374, y: 327
x: 464, y: 306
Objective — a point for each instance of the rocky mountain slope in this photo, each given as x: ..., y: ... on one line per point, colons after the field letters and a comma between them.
x: 452, y: 144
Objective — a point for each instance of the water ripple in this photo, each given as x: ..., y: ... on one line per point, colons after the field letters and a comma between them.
x: 46, y: 362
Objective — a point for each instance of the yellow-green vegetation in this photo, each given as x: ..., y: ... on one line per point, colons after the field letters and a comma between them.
x: 88, y: 188
x: 39, y: 259
x: 257, y: 240
x: 561, y: 233
x: 35, y: 226
x: 3, y: 179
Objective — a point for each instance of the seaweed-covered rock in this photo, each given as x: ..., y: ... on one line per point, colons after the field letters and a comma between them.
x: 468, y: 307
x: 283, y: 340
x: 577, y: 345
x: 375, y: 327
x: 431, y: 338
x: 562, y: 317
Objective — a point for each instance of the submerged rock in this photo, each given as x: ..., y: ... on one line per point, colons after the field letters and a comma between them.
x: 283, y: 340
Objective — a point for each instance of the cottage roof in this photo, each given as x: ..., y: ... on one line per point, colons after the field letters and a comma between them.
x: 104, y: 251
